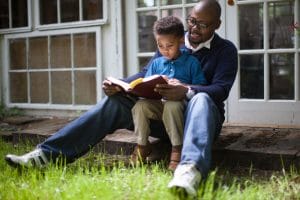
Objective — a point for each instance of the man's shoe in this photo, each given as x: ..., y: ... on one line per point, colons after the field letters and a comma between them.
x: 186, y: 177
x: 35, y: 158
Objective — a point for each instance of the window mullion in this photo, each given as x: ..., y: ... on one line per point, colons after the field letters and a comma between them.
x: 80, y: 11
x: 9, y: 14
x: 58, y: 12
x: 72, y: 69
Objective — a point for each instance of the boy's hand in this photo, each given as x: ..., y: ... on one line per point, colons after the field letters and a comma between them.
x: 109, y: 88
x: 174, y: 92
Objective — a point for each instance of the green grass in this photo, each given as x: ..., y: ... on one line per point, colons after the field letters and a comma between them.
x: 93, y: 177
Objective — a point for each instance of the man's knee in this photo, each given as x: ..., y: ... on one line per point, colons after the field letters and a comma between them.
x: 171, y: 106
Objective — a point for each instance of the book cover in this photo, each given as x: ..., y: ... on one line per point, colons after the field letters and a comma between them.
x: 142, y: 87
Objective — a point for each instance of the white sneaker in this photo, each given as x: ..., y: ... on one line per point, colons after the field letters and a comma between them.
x: 35, y: 158
x: 186, y: 177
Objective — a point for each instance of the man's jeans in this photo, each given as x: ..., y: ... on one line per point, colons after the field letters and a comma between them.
x: 202, y: 126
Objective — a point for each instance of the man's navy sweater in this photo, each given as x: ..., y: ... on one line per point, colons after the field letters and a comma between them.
x: 219, y: 64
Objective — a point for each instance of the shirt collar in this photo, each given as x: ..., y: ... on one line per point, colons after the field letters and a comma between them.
x: 200, y: 46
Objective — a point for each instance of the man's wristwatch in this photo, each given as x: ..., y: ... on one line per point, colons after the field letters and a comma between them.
x: 190, y: 93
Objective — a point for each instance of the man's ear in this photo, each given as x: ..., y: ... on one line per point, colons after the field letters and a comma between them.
x: 218, y: 24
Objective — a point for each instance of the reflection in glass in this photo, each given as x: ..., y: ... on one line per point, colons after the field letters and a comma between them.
x: 61, y: 87
x: 60, y: 47
x: 173, y: 12
x: 192, y: 1
x: 146, y: 3
x: 39, y: 87
x: 18, y: 87
x: 143, y: 61
x: 19, y: 13
x: 48, y: 12
x: 281, y: 17
x: 69, y: 10
x: 38, y: 53
x: 85, y: 87
x: 85, y: 50
x: 282, y: 76
x: 145, y: 25
x: 170, y: 2
x: 251, y: 26
x: 17, y: 49
x: 92, y: 9
x: 4, y: 16
x: 252, y: 76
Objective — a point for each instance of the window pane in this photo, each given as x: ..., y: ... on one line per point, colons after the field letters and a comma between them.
x: 192, y: 1
x: 39, y: 87
x: 85, y: 87
x: 85, y: 50
x: 19, y: 13
x: 170, y: 2
x: 281, y: 16
x: 17, y: 54
x: 251, y: 26
x: 48, y: 12
x: 146, y: 3
x: 60, y: 55
x: 69, y: 10
x: 146, y: 38
x: 92, y: 9
x: 18, y: 87
x: 252, y: 76
x: 4, y: 16
x: 282, y: 76
x: 143, y: 62
x: 38, y: 53
x: 173, y: 12
x: 61, y: 87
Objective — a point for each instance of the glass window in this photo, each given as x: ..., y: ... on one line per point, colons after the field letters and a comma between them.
x: 143, y: 61
x: 85, y: 87
x: 170, y: 2
x: 60, y: 51
x: 69, y: 10
x: 252, y: 76
x: 174, y: 12
x: 281, y: 17
x: 251, y: 26
x: 38, y: 53
x: 146, y: 3
x: 18, y: 87
x: 17, y: 54
x: 61, y: 87
x: 39, y: 87
x: 48, y: 12
x: 282, y: 76
x: 4, y: 16
x: 145, y: 28
x: 92, y: 9
x: 84, y: 50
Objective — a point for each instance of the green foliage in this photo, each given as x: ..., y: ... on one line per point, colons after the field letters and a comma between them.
x: 8, y: 112
x: 91, y: 178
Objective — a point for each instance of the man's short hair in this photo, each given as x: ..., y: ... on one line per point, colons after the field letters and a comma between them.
x: 169, y: 26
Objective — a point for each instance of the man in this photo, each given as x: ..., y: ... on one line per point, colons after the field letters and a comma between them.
x: 203, y: 118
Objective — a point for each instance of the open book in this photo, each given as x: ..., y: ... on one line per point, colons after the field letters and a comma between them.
x: 142, y: 87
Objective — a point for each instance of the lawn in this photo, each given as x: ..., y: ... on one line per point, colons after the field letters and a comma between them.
x: 98, y: 176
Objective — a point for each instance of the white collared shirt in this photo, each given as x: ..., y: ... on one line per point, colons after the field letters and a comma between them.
x: 200, y: 46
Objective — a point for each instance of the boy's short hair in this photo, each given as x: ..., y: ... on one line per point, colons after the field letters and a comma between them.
x: 169, y: 26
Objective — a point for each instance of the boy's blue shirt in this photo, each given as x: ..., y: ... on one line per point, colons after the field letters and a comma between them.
x: 219, y: 64
x: 186, y: 68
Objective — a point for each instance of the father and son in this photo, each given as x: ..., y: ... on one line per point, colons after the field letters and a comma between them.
x: 191, y: 113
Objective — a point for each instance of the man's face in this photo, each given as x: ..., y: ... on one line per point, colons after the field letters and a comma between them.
x: 201, y: 25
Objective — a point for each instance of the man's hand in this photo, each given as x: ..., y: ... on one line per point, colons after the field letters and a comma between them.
x: 109, y: 88
x: 174, y: 91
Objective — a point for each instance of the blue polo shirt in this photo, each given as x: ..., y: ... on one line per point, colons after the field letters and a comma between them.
x: 186, y: 68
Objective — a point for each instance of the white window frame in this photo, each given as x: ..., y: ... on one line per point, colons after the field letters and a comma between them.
x: 97, y: 69
x: 19, y: 29
x: 75, y: 24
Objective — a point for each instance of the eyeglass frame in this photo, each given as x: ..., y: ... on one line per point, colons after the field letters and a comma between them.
x: 191, y: 21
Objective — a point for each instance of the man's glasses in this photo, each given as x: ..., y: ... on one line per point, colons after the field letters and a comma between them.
x: 193, y: 22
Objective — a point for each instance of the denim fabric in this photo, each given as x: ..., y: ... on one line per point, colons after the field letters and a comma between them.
x: 80, y: 135
x: 202, y: 126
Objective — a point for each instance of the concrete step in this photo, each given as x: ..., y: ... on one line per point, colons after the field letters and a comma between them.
x: 259, y: 147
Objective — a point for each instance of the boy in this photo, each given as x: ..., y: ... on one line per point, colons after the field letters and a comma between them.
x: 179, y: 67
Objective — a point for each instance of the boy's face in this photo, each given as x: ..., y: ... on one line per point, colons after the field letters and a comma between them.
x: 168, y: 45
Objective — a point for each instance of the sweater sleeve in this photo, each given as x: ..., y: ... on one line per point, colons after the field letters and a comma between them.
x: 224, y: 75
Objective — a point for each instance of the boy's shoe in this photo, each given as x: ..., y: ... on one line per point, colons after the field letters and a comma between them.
x: 140, y: 153
x: 175, y: 157
x: 35, y: 158
x: 186, y: 178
